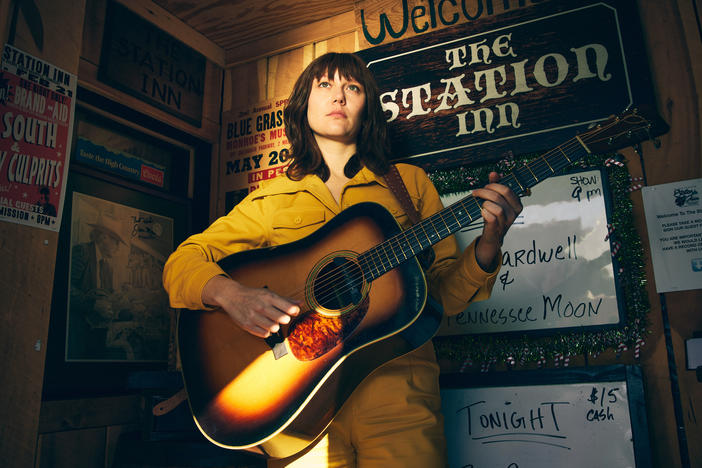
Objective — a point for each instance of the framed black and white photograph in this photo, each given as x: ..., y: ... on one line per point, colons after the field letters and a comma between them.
x: 117, y: 308
x: 110, y: 313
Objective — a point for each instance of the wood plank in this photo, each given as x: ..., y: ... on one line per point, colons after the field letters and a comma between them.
x: 93, y: 30
x: 176, y: 28
x: 247, y: 84
x: 233, y: 24
x: 62, y: 35
x: 26, y: 281
x: 61, y: 415
x: 211, y: 99
x: 72, y: 449
x: 288, y: 67
x: 113, y: 433
x: 343, y: 43
x: 26, y: 278
x: 292, y: 39
x: 5, y: 12
x: 690, y: 19
x: 678, y: 158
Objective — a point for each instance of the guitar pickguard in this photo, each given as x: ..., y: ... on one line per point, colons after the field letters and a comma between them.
x: 314, y: 335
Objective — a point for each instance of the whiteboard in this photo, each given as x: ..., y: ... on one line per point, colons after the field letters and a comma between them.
x: 574, y: 424
x: 557, y: 269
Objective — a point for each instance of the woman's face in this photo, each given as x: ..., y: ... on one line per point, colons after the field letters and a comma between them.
x: 335, y: 108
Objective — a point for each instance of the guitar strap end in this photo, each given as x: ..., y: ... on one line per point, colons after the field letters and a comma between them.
x: 168, y: 405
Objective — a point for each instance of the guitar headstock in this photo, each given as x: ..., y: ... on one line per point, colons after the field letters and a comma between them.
x: 622, y: 130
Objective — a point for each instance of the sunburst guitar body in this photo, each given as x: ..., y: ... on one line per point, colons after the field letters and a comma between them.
x: 279, y: 394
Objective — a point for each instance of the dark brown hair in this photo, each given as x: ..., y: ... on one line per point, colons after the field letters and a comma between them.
x: 372, y: 144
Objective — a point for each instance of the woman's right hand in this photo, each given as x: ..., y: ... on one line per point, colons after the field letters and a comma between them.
x: 258, y: 311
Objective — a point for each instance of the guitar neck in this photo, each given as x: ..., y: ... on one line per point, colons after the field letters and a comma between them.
x: 391, y: 253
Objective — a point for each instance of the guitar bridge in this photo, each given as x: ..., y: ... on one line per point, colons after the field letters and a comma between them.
x: 277, y: 344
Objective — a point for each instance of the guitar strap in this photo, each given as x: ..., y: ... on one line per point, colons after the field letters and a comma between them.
x: 399, y: 189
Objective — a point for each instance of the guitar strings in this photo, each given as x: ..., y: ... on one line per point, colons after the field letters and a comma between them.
x: 334, y: 275
x: 402, y: 238
x: 540, y: 164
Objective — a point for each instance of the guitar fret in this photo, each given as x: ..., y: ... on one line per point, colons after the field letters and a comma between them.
x: 549, y: 166
x: 536, y: 179
x: 419, y: 242
x: 395, y: 255
x: 565, y: 155
x: 462, y: 203
x: 444, y: 221
x: 410, y: 243
x: 521, y: 187
x: 458, y: 222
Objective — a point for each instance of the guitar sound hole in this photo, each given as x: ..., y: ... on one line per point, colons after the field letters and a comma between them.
x: 338, y: 284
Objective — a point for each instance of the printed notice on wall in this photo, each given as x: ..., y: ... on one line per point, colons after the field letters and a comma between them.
x: 37, y: 111
x: 255, y: 149
x: 674, y: 221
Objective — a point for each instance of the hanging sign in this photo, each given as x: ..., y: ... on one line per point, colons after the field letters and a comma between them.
x: 140, y: 59
x: 521, y: 81
x: 37, y: 105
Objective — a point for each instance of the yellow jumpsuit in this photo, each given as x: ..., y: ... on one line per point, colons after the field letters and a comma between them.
x: 393, y: 418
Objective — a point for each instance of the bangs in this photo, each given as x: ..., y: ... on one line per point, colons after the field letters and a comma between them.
x: 349, y: 66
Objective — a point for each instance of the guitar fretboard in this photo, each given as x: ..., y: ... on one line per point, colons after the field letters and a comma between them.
x: 391, y: 253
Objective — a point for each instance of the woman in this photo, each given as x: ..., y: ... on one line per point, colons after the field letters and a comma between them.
x: 340, y: 153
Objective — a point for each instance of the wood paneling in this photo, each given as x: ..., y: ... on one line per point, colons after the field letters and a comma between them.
x: 72, y: 449
x: 240, y: 24
x: 26, y: 278
x: 62, y: 415
x: 5, y: 21
x: 309, y: 33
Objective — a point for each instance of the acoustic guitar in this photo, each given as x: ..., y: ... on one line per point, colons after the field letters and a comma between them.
x: 364, y: 300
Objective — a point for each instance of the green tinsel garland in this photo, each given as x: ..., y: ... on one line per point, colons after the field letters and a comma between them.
x: 488, y: 350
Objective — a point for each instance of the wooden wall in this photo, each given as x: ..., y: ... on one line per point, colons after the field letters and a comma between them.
x: 267, y: 71
x: 27, y: 273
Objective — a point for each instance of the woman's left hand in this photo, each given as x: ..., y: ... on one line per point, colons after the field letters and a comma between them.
x: 500, y: 208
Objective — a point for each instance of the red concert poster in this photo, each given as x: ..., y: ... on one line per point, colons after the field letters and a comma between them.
x: 37, y: 104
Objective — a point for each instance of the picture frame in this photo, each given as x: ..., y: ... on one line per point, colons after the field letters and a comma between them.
x: 557, y: 273
x: 100, y: 334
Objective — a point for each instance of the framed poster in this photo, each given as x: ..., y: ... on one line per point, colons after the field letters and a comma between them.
x: 110, y: 315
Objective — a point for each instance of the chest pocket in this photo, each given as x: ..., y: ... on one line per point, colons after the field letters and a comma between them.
x: 290, y: 225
